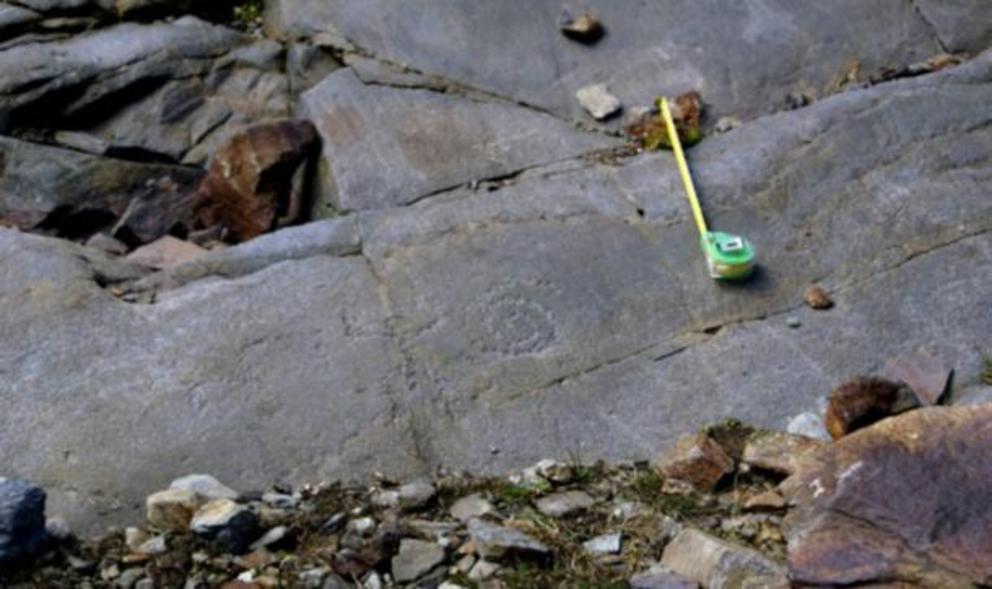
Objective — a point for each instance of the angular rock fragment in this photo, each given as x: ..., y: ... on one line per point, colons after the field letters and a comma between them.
x: 171, y: 510
x: 865, y: 400
x: 778, y: 452
x: 598, y: 102
x: 206, y: 487
x: 22, y: 519
x: 470, y: 507
x: 903, y: 500
x: 166, y: 252
x: 415, y: 559
x: 251, y: 184
x: 232, y: 527
x: 718, y: 564
x: 605, y: 544
x: 926, y: 375
x: 696, y: 460
x: 495, y: 542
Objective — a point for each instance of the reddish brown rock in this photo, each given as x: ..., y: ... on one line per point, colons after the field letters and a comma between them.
x: 250, y: 185
x: 817, y: 298
x: 904, y: 500
x: 778, y: 452
x: 865, y: 400
x: 696, y: 460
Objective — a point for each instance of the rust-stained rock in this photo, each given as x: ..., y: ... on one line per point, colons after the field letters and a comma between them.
x: 778, y: 452
x: 697, y: 460
x: 865, y: 400
x: 926, y: 375
x: 817, y: 298
x: 250, y: 185
x: 904, y: 500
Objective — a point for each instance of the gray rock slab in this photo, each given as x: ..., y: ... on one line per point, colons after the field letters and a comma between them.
x: 961, y: 25
x: 186, y: 83
x: 385, y: 146
x: 744, y: 58
x: 41, y: 183
x: 570, y: 308
x: 194, y: 380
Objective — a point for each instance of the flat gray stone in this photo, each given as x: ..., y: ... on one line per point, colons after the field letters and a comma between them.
x: 385, y: 146
x: 495, y: 542
x: 606, y: 544
x: 718, y: 564
x: 564, y: 504
x: 415, y: 559
x: 743, y: 58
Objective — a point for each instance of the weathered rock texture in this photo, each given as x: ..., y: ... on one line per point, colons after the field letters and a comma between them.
x: 903, y: 500
x: 561, y: 303
x: 251, y: 183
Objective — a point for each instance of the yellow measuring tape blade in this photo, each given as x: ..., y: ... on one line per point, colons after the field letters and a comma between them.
x: 690, y: 189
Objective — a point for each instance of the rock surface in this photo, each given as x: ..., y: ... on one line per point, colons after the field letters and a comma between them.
x: 904, y: 500
x: 512, y: 290
x: 386, y: 146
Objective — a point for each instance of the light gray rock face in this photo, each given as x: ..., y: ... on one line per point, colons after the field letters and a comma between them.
x: 568, y: 308
x: 961, y: 25
x: 385, y: 146
x: 744, y: 58
x: 176, y: 90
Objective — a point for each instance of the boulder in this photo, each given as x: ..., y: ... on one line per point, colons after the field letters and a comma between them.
x: 22, y: 520
x: 903, y: 500
x: 250, y: 185
x: 865, y: 400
